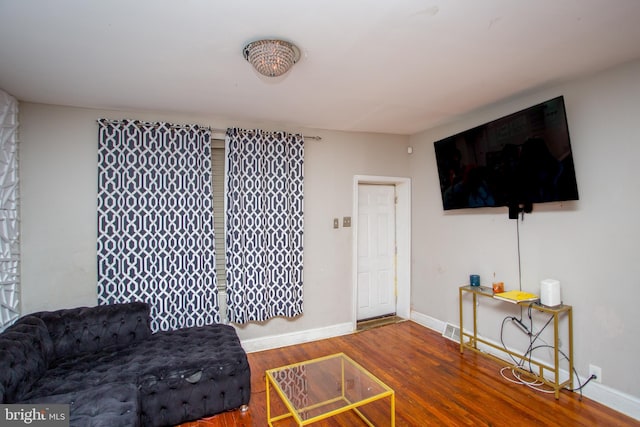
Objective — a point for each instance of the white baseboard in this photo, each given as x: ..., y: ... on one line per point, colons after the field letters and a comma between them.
x: 428, y: 321
x: 614, y: 399
x: 276, y: 341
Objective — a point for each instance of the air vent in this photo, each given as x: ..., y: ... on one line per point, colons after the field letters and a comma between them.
x: 451, y: 332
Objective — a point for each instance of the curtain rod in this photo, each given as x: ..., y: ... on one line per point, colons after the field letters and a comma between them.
x: 317, y: 138
x: 213, y: 130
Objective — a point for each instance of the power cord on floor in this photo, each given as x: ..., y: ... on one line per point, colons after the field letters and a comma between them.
x: 528, y: 354
x: 575, y: 372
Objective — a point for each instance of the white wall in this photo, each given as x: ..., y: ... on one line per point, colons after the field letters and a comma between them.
x: 58, y: 172
x: 591, y: 245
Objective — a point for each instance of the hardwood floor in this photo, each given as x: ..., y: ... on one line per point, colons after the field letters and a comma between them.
x: 434, y: 385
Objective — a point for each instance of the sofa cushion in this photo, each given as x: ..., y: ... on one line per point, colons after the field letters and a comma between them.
x: 196, y: 372
x: 25, y: 349
x: 77, y: 331
x: 107, y: 405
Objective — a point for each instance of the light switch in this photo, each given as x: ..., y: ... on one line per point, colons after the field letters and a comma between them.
x: 336, y: 223
x: 346, y: 221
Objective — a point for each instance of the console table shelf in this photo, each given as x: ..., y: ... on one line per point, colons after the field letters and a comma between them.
x: 470, y: 340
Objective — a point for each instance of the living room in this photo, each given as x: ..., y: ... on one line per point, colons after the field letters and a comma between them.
x: 588, y: 245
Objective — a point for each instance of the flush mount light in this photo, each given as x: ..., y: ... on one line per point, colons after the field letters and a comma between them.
x: 271, y: 58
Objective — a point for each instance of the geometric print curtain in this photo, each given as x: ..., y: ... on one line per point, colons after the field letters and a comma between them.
x: 264, y: 225
x: 155, y: 221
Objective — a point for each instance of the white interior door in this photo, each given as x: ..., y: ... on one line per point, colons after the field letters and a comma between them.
x: 376, y: 251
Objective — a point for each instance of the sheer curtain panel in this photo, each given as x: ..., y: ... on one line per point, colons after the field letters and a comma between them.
x: 155, y: 221
x: 264, y: 224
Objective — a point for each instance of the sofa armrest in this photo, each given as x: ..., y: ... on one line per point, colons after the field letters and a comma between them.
x: 25, y: 351
x: 84, y: 330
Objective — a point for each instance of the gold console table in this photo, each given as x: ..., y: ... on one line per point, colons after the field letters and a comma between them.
x: 470, y: 340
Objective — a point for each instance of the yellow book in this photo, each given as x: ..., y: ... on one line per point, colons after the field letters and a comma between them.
x: 516, y: 296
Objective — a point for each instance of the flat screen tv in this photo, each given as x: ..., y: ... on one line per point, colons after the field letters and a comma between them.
x: 514, y: 161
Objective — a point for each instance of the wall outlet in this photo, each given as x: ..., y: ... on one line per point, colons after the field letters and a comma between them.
x: 595, y: 370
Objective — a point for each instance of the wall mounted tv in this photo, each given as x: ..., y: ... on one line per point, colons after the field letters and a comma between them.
x: 514, y: 161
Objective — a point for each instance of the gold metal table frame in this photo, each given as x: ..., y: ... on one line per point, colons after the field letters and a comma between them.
x: 320, y: 388
x: 470, y: 340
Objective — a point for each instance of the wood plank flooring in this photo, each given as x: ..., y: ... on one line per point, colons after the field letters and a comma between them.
x: 435, y: 385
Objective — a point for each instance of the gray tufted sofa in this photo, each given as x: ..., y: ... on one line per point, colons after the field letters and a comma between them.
x: 107, y: 365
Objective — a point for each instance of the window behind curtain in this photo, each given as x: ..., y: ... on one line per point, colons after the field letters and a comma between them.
x: 217, y: 187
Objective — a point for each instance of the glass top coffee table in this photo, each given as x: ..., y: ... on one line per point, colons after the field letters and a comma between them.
x: 317, y: 389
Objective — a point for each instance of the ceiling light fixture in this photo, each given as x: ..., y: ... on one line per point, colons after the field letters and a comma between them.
x: 271, y: 58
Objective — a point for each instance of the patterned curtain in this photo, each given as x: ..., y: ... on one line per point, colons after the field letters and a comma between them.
x: 155, y: 221
x: 264, y: 224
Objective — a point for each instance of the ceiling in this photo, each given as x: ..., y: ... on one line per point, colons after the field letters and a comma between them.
x: 367, y: 65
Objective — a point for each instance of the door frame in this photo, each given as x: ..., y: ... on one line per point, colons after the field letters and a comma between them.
x: 403, y: 242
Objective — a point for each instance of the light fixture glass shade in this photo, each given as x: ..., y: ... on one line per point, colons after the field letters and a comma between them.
x: 271, y: 58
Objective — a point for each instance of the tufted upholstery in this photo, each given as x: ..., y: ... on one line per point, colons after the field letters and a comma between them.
x: 211, y: 378
x: 91, y: 329
x: 107, y: 405
x: 26, y: 349
x: 107, y: 365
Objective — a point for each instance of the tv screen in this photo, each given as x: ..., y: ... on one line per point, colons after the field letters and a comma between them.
x: 517, y: 160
